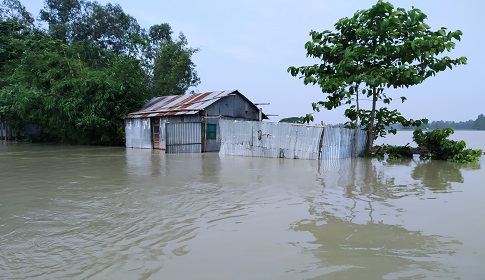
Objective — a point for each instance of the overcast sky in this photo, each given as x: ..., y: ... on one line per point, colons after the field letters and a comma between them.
x: 249, y: 44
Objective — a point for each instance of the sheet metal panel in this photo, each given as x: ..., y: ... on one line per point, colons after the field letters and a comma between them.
x: 283, y: 140
x: 183, y: 137
x: 262, y: 139
x: 138, y: 133
x: 338, y: 143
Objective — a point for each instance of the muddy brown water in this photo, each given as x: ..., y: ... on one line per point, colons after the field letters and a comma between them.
x: 78, y: 212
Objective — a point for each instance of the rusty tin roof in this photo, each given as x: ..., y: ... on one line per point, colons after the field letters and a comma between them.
x: 187, y: 104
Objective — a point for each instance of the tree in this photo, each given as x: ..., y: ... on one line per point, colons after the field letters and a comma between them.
x: 71, y: 102
x: 109, y: 27
x: 376, y: 49
x: 14, y: 10
x: 16, y: 25
x: 174, y: 72
x: 479, y: 123
x: 292, y: 120
x: 77, y: 81
x: 12, y: 42
x: 60, y: 16
x: 157, y: 34
x: 167, y: 62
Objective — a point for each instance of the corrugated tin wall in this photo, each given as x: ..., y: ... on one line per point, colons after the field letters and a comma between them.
x: 138, y: 133
x: 339, y: 143
x: 184, y: 137
x: 174, y: 119
x: 284, y: 140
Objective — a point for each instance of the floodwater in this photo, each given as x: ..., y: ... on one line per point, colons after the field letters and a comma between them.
x: 80, y: 212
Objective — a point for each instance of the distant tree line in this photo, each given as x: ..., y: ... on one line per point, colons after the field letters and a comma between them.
x: 292, y: 120
x: 73, y: 75
x: 477, y: 124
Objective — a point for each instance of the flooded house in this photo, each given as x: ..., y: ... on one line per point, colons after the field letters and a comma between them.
x: 187, y: 123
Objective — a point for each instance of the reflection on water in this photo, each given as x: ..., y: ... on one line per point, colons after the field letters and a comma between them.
x: 439, y: 175
x: 374, y: 250
x: 115, y: 213
x: 352, y: 236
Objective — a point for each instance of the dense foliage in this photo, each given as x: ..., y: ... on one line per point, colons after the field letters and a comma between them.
x: 394, y: 152
x: 376, y: 49
x: 431, y: 145
x: 436, y: 145
x: 75, y: 81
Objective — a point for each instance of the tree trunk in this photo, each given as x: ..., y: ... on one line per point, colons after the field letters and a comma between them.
x: 370, y: 129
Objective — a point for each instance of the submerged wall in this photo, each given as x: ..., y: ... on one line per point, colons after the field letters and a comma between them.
x: 138, y: 133
x: 284, y: 140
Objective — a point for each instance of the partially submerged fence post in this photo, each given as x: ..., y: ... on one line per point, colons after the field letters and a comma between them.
x: 320, y: 144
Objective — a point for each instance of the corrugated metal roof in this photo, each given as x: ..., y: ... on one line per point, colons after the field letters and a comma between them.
x: 187, y: 104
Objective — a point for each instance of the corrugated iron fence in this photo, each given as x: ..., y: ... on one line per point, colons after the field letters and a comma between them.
x: 284, y: 140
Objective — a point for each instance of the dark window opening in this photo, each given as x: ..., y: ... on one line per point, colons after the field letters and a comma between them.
x: 211, y: 131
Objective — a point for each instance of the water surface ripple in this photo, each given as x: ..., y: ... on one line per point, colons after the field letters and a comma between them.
x: 114, y: 213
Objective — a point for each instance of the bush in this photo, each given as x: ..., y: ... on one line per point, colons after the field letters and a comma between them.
x: 394, y: 152
x: 435, y: 145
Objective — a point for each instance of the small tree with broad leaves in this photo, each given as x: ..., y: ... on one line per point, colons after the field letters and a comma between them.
x: 376, y: 49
